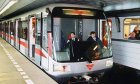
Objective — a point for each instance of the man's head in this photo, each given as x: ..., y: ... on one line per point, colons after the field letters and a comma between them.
x: 72, y: 35
x: 93, y: 34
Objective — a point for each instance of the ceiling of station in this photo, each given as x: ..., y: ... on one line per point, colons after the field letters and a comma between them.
x: 1, y: 2
x: 107, y: 5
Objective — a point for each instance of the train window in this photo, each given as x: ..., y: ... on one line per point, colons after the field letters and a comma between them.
x: 0, y: 29
x: 11, y: 28
x: 6, y: 27
x: 44, y: 34
x: 23, y: 29
x: 38, y: 31
x: 81, y: 21
x: 131, y: 26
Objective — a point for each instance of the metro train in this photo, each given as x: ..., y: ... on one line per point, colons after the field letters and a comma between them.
x: 41, y: 36
x: 126, y: 50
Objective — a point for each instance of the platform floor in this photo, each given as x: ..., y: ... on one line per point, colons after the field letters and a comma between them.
x: 16, y: 69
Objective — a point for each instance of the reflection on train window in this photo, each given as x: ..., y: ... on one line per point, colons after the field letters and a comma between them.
x: 129, y: 27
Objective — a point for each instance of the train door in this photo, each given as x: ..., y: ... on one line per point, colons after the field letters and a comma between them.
x: 32, y: 27
x: 3, y: 33
x: 6, y: 31
x: 16, y: 40
x: 0, y: 29
x: 3, y: 30
x: 46, y: 40
x: 11, y: 33
x: 38, y: 40
x: 23, y: 25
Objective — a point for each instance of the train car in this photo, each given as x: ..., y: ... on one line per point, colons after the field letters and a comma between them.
x: 125, y: 47
x: 42, y: 34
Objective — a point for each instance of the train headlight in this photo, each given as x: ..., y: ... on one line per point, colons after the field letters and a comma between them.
x: 61, y: 68
x: 109, y: 63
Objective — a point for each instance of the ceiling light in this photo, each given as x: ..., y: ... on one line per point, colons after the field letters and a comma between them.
x: 7, y: 5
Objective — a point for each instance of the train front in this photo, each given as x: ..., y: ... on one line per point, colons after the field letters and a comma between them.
x: 80, y: 57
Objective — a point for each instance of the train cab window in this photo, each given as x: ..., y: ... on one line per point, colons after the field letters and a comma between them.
x: 132, y: 29
x: 77, y: 51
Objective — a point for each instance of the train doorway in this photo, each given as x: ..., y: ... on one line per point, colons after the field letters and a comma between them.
x: 32, y: 27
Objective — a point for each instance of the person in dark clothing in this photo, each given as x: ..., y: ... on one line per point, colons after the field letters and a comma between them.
x: 72, y: 38
x: 95, y: 49
x: 71, y: 43
x: 135, y: 35
x: 94, y: 38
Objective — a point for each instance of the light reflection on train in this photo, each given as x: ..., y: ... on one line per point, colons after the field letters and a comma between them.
x: 41, y: 36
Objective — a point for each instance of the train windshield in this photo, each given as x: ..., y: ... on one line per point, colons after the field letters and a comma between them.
x: 81, y: 48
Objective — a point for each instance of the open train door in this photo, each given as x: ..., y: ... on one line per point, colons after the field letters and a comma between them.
x: 31, y: 33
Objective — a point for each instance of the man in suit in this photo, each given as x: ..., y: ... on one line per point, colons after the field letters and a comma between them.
x: 94, y: 38
x: 72, y: 40
x: 95, y: 48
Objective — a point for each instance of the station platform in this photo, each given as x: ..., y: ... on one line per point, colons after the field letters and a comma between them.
x: 17, y: 69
